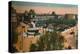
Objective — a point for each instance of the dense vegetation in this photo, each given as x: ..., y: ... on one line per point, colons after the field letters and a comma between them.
x: 70, y: 22
x: 48, y: 41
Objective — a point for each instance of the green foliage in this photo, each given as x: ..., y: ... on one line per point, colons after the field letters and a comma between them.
x: 31, y: 13
x: 49, y: 41
x: 69, y: 22
x: 63, y: 21
x: 33, y: 47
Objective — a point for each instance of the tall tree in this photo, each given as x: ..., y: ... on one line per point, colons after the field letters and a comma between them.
x: 25, y: 18
x: 54, y: 14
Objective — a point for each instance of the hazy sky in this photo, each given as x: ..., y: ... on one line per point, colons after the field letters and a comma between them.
x: 45, y: 7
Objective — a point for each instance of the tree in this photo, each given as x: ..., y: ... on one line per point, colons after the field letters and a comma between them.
x: 25, y: 14
x: 53, y: 13
x: 33, y: 47
x: 49, y: 41
x: 31, y: 13
x: 26, y: 18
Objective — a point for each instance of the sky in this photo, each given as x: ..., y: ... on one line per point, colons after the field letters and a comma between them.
x: 45, y: 8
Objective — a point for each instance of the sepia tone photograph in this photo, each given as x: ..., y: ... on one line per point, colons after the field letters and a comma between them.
x: 35, y: 26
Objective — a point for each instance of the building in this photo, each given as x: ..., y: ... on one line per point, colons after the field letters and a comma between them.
x: 70, y: 16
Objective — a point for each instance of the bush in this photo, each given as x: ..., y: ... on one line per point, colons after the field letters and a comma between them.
x: 48, y: 41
